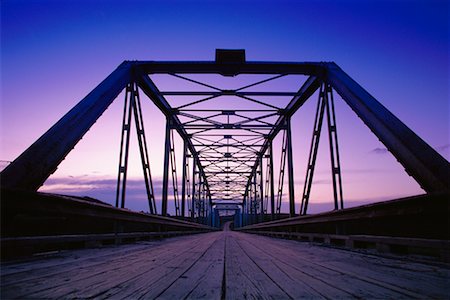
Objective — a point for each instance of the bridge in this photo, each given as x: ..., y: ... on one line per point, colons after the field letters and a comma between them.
x: 222, y: 239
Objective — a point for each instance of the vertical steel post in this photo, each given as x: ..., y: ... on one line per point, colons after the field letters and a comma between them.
x: 194, y: 165
x: 244, y: 207
x: 133, y: 106
x: 188, y: 185
x: 209, y: 201
x: 203, y: 199
x: 282, y: 171
x: 143, y: 149
x: 334, y: 149
x: 317, y: 129
x: 249, y: 203
x: 173, y: 167
x: 290, y: 169
x: 199, y: 197
x: 255, y: 198
x: 209, y: 212
x: 124, y: 147
x: 203, y: 206
x: 166, y: 169
x: 272, y: 185
x: 183, y: 184
x: 205, y: 202
x: 261, y: 186
x: 267, y: 185
x: 246, y: 200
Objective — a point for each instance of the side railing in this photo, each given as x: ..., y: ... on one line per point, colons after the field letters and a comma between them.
x: 34, y: 222
x: 411, y: 225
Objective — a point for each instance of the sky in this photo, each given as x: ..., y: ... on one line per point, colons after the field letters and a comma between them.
x: 53, y: 53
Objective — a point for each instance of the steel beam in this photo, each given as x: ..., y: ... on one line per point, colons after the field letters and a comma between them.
x: 150, y: 89
x: 30, y: 170
x: 165, y: 187
x: 227, y: 93
x: 290, y: 163
x: 261, y: 186
x: 334, y: 148
x: 313, y: 150
x: 272, y: 184
x: 183, y: 184
x: 210, y: 67
x: 194, y: 165
x: 306, y: 91
x: 423, y: 163
x: 35, y: 165
x: 281, y: 173
x: 124, y: 147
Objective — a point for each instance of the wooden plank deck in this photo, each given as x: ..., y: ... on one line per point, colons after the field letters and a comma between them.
x: 222, y: 265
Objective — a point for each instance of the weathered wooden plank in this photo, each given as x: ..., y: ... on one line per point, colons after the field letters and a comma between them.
x: 392, y: 270
x: 75, y: 258
x: 75, y: 277
x: 204, y: 279
x: 244, y: 279
x: 295, y: 286
x: 15, y: 270
x: 153, y: 283
x: 67, y: 257
x: 309, y: 283
x: 434, y: 281
x: 129, y: 273
x: 335, y: 284
x: 222, y: 265
x: 379, y: 273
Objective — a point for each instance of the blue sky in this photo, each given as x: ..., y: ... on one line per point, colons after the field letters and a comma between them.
x: 54, y: 52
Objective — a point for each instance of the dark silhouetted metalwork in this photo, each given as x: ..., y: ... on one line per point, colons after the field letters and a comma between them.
x: 227, y: 133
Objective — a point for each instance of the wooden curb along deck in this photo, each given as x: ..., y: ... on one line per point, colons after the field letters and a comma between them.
x: 222, y: 265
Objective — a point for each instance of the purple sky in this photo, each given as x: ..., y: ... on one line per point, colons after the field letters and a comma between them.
x: 54, y: 52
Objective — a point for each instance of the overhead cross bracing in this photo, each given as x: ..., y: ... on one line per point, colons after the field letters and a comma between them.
x: 228, y: 127
x: 227, y: 113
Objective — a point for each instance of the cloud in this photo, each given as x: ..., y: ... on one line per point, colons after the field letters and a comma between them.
x: 365, y: 171
x: 379, y: 151
x: 443, y: 147
x: 315, y: 181
x: 83, y: 182
x: 102, y: 188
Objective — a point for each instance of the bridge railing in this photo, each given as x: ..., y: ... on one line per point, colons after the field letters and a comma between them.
x: 35, y: 222
x: 412, y: 225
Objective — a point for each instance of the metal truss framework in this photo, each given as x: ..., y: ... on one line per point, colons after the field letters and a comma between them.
x: 225, y: 147
x: 132, y: 106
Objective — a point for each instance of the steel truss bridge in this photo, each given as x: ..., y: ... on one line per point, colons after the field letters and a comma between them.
x: 227, y: 162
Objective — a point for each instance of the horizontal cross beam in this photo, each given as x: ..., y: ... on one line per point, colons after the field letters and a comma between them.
x: 211, y: 67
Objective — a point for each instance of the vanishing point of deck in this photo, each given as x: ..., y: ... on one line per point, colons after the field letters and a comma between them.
x: 222, y: 265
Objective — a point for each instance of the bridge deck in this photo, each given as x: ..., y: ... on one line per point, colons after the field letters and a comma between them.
x: 218, y: 265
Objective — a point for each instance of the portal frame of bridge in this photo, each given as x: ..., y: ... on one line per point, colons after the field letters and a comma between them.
x: 30, y: 170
